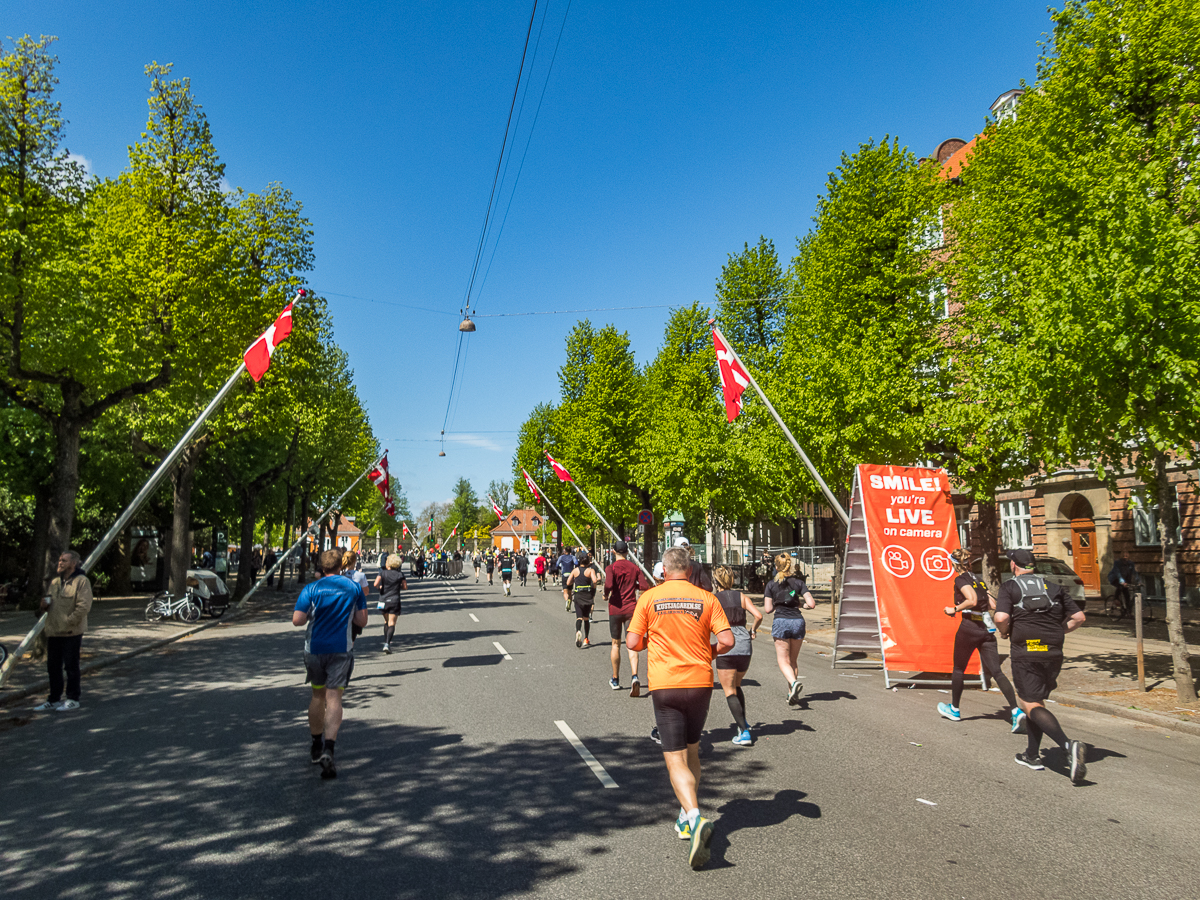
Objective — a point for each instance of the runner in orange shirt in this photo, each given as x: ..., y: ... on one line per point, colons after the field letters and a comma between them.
x: 675, y: 620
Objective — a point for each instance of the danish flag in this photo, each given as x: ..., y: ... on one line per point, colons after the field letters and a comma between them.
x: 734, y: 377
x: 532, y: 487
x: 497, y: 510
x: 563, y: 474
x: 258, y: 356
x: 405, y: 531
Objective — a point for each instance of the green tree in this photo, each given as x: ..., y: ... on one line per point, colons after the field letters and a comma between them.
x: 1077, y: 253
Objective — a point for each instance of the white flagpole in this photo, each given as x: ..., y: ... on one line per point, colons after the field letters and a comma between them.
x: 611, y: 530
x: 833, y: 501
x: 312, y: 529
x: 555, y: 511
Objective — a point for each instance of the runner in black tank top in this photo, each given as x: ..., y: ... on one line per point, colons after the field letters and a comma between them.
x: 582, y: 584
x: 975, y: 633
x: 732, y: 666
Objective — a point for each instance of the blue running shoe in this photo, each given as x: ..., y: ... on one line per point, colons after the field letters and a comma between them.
x: 614, y: 684
x: 949, y: 712
x: 744, y: 738
x: 1018, y: 721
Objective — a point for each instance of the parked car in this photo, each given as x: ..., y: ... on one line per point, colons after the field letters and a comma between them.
x: 1053, y: 570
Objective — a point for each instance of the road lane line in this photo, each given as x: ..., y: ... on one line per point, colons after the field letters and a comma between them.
x: 594, y: 764
x: 472, y: 615
x: 503, y: 652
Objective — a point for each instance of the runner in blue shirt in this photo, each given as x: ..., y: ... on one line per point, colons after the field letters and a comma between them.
x: 566, y: 564
x: 328, y: 607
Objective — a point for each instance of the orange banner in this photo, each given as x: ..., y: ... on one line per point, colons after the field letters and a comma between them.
x: 911, y: 533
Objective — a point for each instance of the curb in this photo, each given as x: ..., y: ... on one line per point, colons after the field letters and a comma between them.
x: 9, y: 699
x: 1085, y: 701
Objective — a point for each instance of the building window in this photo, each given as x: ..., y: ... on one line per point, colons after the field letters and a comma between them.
x: 939, y: 299
x: 962, y: 515
x: 1145, y: 519
x: 1016, y: 525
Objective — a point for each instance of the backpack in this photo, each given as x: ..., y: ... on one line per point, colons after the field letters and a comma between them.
x: 1035, y: 596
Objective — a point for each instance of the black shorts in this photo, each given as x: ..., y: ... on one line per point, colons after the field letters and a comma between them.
x: 680, y: 714
x: 583, y: 608
x: 1035, y: 678
x: 614, y: 625
x: 505, y: 576
x: 391, y: 608
x: 737, y: 663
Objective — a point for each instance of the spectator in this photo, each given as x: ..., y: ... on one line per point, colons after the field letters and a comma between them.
x: 66, y: 605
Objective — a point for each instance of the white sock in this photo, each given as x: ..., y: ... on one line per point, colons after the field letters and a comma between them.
x: 692, y: 815
x: 682, y: 813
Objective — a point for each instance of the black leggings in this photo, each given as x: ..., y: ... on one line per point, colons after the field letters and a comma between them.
x: 970, y: 638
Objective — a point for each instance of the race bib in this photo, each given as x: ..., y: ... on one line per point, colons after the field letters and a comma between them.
x: 1035, y: 645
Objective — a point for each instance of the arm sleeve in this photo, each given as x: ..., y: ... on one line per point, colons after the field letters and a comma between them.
x: 83, y: 602
x: 1004, y: 599
x: 640, y: 623
x: 719, y: 621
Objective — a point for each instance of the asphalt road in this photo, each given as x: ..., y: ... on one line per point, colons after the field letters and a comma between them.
x: 186, y: 774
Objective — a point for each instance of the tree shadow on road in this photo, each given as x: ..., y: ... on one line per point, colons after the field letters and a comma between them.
x: 172, y: 783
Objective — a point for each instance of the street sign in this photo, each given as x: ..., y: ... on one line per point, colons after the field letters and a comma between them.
x: 645, y: 517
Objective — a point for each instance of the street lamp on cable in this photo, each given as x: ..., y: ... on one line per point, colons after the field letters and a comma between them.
x: 466, y: 324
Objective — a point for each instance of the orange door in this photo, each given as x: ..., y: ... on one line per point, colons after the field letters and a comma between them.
x: 1083, y: 548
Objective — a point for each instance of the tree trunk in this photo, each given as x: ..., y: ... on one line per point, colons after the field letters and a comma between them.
x: 35, y: 589
x: 839, y: 564
x: 65, y: 486
x: 249, y: 498
x: 989, y: 528
x: 649, y: 545
x: 289, y: 528
x: 179, y: 552
x: 1168, y: 522
x: 120, y: 583
x: 305, y: 524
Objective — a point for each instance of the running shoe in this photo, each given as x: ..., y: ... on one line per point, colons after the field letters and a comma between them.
x: 949, y: 712
x: 654, y: 736
x: 568, y: 607
x: 1018, y: 721
x: 744, y: 738
x: 614, y: 684
x: 387, y: 648
x: 578, y: 638
x: 635, y: 687
x: 702, y: 834
x: 328, y: 769
x: 1029, y: 762
x: 683, y: 828
x: 45, y: 707
x: 794, y: 693
x: 586, y: 643
x: 67, y: 706
x: 1077, y: 753
x: 317, y: 752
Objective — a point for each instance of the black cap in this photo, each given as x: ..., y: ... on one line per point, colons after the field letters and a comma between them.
x: 621, y: 547
x: 1022, y: 558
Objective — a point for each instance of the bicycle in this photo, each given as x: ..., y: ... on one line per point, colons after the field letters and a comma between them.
x: 164, y: 606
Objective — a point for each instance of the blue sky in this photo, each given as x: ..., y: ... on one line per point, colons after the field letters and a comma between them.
x: 669, y: 134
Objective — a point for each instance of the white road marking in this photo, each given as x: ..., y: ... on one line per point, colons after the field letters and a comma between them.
x: 594, y: 764
x: 926, y: 802
x: 503, y: 652
x: 472, y: 615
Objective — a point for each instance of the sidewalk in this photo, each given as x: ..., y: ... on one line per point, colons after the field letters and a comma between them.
x: 117, y: 630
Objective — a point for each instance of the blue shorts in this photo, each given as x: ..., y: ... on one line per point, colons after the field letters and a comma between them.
x: 788, y: 629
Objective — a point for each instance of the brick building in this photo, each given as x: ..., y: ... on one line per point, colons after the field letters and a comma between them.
x: 516, y: 531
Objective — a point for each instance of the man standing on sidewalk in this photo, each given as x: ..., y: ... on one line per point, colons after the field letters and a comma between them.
x: 1035, y: 615
x: 66, y: 604
x: 330, y: 606
x: 675, y: 620
x: 622, y: 580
